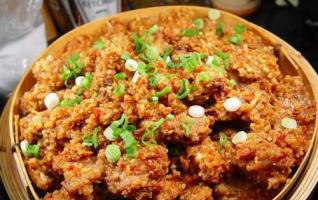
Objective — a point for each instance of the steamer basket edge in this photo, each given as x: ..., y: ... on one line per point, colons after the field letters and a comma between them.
x: 290, y: 56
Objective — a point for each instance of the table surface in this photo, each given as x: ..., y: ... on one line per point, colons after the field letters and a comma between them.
x: 291, y: 24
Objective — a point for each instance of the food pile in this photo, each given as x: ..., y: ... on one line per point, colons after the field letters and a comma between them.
x: 169, y: 107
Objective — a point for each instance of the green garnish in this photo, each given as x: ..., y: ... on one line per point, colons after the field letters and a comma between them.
x: 202, y: 76
x: 148, y: 138
x: 186, y: 127
x: 153, y: 29
x: 170, y: 117
x: 223, y: 138
x: 33, y: 150
x: 190, y: 62
x: 232, y: 83
x: 91, y: 140
x: 150, y: 54
x: 239, y: 29
x: 184, y: 90
x: 219, y: 29
x: 225, y: 57
x: 120, y: 90
x: 120, y: 76
x: 124, y: 56
x: 87, y: 81
x: 140, y: 45
x: 123, y: 122
x: 237, y: 36
x: 198, y: 23
x: 213, y: 14
x: 190, y: 32
x: 99, y: 44
x: 112, y: 153
x: 130, y: 143
x: 154, y: 80
x: 143, y: 68
x: 154, y: 99
x: 166, y: 53
x: 74, y: 69
x: 235, y: 39
x: 217, y: 61
x: 71, y: 102
x: 163, y: 92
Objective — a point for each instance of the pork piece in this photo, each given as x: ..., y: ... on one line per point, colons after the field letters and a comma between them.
x: 207, y: 161
x: 79, y: 169
x: 175, y: 130
x: 198, y: 192
x: 264, y: 161
x: 138, y: 178
x: 171, y: 188
x: 238, y: 187
x: 58, y: 195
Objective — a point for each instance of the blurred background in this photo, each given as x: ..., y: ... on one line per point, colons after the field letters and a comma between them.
x: 28, y: 26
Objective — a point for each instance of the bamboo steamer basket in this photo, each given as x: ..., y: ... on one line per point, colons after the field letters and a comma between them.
x: 13, y: 171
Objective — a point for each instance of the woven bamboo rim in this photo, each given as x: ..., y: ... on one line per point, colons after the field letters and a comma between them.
x: 13, y: 171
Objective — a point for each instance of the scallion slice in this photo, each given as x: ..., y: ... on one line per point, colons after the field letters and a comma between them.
x: 289, y: 123
x: 198, y: 23
x: 71, y: 102
x: 130, y: 143
x: 112, y: 153
x: 184, y: 90
x: 120, y: 90
x: 33, y: 150
x: 99, y: 44
x: 163, y: 92
x: 120, y: 76
x: 214, y: 14
x: 219, y: 29
x: 222, y: 138
x: 202, y: 77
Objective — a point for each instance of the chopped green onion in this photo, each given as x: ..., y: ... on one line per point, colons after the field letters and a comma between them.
x: 190, y: 62
x: 190, y: 32
x: 143, y: 68
x: 130, y: 143
x: 91, y: 140
x: 223, y: 138
x: 219, y: 29
x: 214, y: 14
x: 131, y: 128
x: 120, y: 90
x: 202, y: 76
x: 140, y: 45
x: 184, y: 90
x: 186, y: 127
x: 235, y: 39
x: 289, y: 123
x: 166, y: 53
x: 123, y: 121
x: 163, y: 92
x: 154, y: 80
x: 148, y: 138
x: 71, y: 102
x: 154, y: 99
x: 170, y: 117
x: 124, y: 56
x: 112, y: 153
x: 239, y: 29
x: 232, y: 83
x: 74, y: 70
x: 120, y: 76
x: 99, y: 44
x: 217, y: 60
x: 33, y: 150
x: 153, y: 29
x: 87, y: 81
x: 150, y: 54
x: 225, y: 57
x: 198, y: 23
